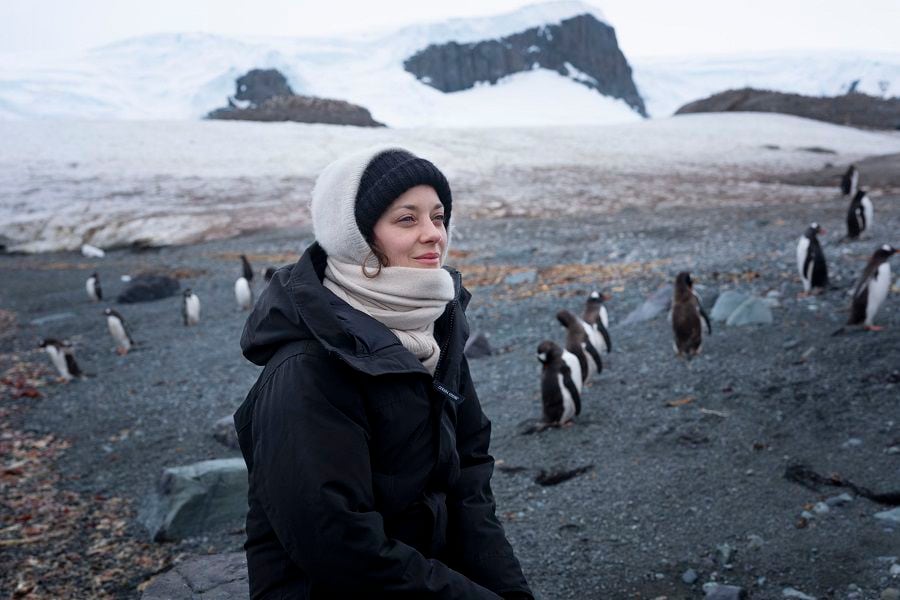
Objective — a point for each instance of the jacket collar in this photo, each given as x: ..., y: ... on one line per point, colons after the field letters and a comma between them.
x: 359, y: 340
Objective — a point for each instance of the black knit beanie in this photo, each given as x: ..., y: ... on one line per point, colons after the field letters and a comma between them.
x: 387, y: 177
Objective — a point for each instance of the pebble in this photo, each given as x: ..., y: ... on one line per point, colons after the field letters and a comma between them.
x: 725, y: 552
x: 852, y: 442
x: 890, y: 594
x: 755, y: 542
x: 839, y: 500
x: 821, y: 508
x: 889, y: 515
x: 689, y: 576
x: 794, y: 593
x: 895, y: 570
x: 716, y: 591
x: 807, y: 515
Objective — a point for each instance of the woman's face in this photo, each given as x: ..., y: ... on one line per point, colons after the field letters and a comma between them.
x: 411, y: 231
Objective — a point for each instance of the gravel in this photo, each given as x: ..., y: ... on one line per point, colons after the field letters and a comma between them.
x: 670, y: 484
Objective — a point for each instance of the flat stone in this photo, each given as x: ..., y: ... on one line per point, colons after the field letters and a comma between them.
x: 839, y: 500
x: 727, y: 303
x: 892, y: 515
x: 890, y: 594
x: 197, y: 498
x: 821, y: 508
x: 225, y: 433
x: 478, y: 346
x: 217, y: 576
x: 717, y: 591
x: 689, y: 576
x: 753, y: 311
x: 790, y: 592
x: 655, y: 304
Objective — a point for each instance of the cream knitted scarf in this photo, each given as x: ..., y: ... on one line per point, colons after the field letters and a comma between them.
x: 406, y: 300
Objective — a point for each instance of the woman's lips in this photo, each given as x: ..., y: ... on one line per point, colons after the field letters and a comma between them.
x: 430, y: 257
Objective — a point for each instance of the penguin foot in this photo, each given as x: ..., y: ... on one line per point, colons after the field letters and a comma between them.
x: 121, y: 351
x: 873, y: 328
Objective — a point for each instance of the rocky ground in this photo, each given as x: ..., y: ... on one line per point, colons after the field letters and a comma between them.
x: 687, y: 481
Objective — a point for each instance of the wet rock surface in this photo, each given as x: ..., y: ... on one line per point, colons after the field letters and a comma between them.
x: 687, y: 456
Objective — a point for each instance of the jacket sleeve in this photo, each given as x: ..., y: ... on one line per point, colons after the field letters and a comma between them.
x: 479, y: 545
x: 312, y: 474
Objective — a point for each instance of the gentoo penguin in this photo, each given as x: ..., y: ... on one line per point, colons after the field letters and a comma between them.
x: 859, y: 214
x: 686, y: 314
x: 92, y: 285
x: 850, y: 181
x: 560, y: 384
x: 872, y: 288
x: 248, y: 270
x: 118, y: 329
x: 596, y: 316
x: 190, y: 308
x: 580, y: 344
x: 63, y: 358
x: 270, y: 272
x: 811, y: 259
x: 243, y: 293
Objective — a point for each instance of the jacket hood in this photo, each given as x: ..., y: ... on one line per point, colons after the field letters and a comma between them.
x: 295, y: 306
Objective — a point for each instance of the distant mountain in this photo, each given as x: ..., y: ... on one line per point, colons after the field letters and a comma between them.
x: 855, y: 109
x: 580, y: 79
x: 581, y: 48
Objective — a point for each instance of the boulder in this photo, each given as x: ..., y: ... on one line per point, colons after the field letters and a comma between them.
x: 891, y: 516
x: 197, y: 498
x: 478, y: 346
x: 726, y: 304
x: 147, y: 287
x: 753, y: 311
x: 716, y: 591
x: 656, y: 303
x: 225, y: 433
x: 217, y: 576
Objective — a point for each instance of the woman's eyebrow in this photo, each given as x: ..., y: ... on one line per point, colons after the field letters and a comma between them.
x: 413, y: 207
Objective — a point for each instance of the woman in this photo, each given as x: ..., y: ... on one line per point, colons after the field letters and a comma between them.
x: 365, y: 441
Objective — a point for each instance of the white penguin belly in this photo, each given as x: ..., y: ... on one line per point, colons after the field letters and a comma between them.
x: 118, y: 332
x: 868, y: 212
x: 575, y: 366
x: 91, y: 289
x: 192, y: 305
x: 568, y: 402
x: 594, y: 337
x: 243, y: 293
x: 878, y: 291
x: 59, y: 361
x: 802, y: 250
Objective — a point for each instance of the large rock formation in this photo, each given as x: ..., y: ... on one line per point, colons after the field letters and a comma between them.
x: 854, y: 108
x: 581, y: 48
x: 264, y: 95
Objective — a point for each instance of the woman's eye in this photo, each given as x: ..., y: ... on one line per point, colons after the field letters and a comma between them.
x: 406, y: 219
x: 438, y: 218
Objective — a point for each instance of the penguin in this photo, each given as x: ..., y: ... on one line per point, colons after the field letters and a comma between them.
x: 850, y: 181
x: 270, y: 272
x: 811, y: 260
x: 243, y: 293
x: 92, y: 285
x: 118, y: 329
x: 596, y: 316
x: 190, y: 308
x: 686, y: 314
x: 580, y: 344
x: 63, y: 358
x: 859, y: 215
x: 872, y: 289
x: 248, y: 270
x: 560, y: 384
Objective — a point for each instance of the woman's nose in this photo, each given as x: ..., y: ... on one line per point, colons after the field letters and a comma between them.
x: 431, y: 233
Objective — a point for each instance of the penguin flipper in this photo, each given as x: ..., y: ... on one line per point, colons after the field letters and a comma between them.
x: 594, y: 355
x: 570, y: 385
x: 98, y: 291
x: 705, y: 317
x: 602, y: 329
x: 74, y: 370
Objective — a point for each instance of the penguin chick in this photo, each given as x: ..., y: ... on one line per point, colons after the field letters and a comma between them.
x: 580, y: 344
x: 92, y: 285
x: 560, y: 384
x: 860, y: 215
x: 686, y: 314
x: 596, y: 315
x: 850, y: 181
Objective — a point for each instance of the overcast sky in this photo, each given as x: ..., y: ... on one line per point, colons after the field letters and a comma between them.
x: 644, y: 27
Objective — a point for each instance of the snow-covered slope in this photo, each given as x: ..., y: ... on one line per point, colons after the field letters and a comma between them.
x: 184, y: 76
x: 667, y: 84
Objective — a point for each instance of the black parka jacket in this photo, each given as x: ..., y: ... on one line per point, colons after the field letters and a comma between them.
x: 369, y: 478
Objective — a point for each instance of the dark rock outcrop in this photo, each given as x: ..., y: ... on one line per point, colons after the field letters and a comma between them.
x: 264, y: 95
x: 147, y: 287
x: 581, y: 48
x: 853, y: 109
